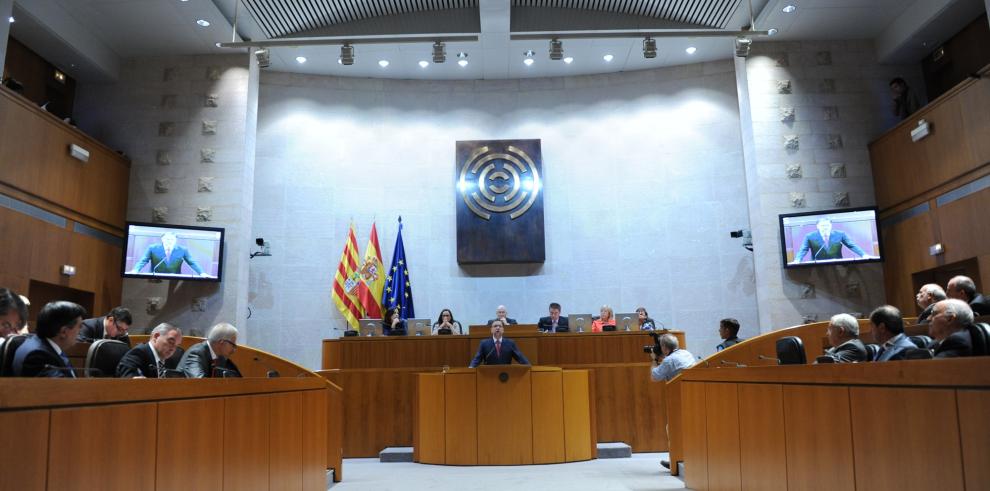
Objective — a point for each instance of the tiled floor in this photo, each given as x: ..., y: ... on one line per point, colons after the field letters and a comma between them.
x: 641, y: 472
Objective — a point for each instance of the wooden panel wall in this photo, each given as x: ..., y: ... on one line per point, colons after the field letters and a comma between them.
x: 26, y: 437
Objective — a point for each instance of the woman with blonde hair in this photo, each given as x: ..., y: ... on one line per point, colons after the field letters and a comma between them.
x: 606, y: 322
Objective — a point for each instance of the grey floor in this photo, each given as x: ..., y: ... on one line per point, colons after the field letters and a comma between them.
x: 641, y: 472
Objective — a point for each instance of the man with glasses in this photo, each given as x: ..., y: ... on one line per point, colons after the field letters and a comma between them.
x: 211, y: 358
x: 151, y: 359
x: 13, y: 314
x: 949, y: 327
x: 114, y: 325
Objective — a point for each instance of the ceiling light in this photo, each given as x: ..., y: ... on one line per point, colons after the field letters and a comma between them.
x: 203, y: 22
x: 10, y: 19
x: 772, y: 31
x: 219, y: 45
x: 339, y: 61
x: 347, y: 54
x: 463, y: 59
x: 608, y: 58
x: 690, y: 50
x: 383, y: 63
x: 529, y: 57
x: 300, y: 59
x: 439, y: 52
x: 264, y: 57
x: 742, y: 46
x: 462, y: 63
x: 423, y: 63
x: 568, y: 60
x: 528, y: 61
x: 556, y: 49
x: 649, y: 47
x: 788, y: 9
x: 59, y: 76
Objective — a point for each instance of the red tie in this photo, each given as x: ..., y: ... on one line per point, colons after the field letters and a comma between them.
x: 498, y: 348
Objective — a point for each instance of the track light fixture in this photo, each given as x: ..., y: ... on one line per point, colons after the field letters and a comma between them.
x: 439, y: 52
x: 347, y: 54
x: 264, y: 57
x: 556, y: 49
x: 742, y: 46
x: 649, y: 47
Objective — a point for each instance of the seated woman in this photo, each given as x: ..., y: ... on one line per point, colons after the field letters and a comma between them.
x: 392, y: 324
x: 645, y: 322
x: 446, y: 321
x: 607, y: 320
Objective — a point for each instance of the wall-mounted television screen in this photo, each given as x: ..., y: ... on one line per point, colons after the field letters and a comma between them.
x: 847, y: 235
x: 173, y: 252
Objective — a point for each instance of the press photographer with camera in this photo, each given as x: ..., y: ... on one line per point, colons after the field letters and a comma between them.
x: 668, y: 358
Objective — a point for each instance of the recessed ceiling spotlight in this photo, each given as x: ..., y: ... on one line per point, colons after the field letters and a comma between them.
x: 463, y: 59
x: 300, y: 59
x: 203, y: 22
x: 772, y: 31
x: 529, y: 57
x: 10, y: 19
x: 568, y: 59
x: 218, y: 45
x: 528, y: 61
x: 383, y: 63
x: 691, y: 49
x: 462, y: 63
x: 423, y: 63
x: 788, y: 9
x: 608, y: 58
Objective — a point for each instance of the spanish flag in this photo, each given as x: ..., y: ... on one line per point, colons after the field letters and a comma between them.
x: 345, y: 282
x: 372, y: 278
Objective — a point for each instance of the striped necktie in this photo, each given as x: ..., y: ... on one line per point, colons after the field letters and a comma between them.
x: 161, y: 369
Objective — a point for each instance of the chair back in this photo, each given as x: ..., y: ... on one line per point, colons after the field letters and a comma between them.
x: 980, y: 334
x: 872, y: 350
x: 7, y: 354
x: 790, y: 351
x: 104, y: 355
x: 921, y: 341
x: 918, y: 354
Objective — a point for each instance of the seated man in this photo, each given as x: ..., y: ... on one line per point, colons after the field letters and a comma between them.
x: 950, y: 320
x: 728, y: 329
x: 888, y: 329
x: 843, y: 335
x: 210, y: 358
x: 13, y: 314
x: 926, y: 298
x: 671, y: 359
x: 114, y: 325
x: 151, y: 359
x: 963, y: 288
x: 43, y: 355
x: 502, y: 315
x: 497, y: 350
x: 553, y: 321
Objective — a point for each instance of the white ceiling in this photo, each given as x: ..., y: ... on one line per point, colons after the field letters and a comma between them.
x: 89, y: 34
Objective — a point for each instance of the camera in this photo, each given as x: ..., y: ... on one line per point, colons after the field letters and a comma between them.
x: 655, y: 347
x: 260, y: 241
x: 735, y: 234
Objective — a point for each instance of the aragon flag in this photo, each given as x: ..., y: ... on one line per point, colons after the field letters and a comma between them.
x: 372, y: 278
x: 345, y: 282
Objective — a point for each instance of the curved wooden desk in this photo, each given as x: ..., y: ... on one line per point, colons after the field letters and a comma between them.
x: 504, y: 415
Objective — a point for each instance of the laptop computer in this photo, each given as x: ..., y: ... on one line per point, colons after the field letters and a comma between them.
x: 627, y: 322
x: 579, y: 322
x: 419, y: 327
x: 370, y: 327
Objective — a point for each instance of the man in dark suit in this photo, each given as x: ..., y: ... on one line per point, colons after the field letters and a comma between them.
x: 963, y: 288
x: 843, y: 335
x: 926, y: 298
x: 114, y: 325
x: 949, y: 327
x: 211, y: 358
x: 497, y: 350
x: 888, y: 329
x: 551, y: 322
x: 501, y: 314
x: 826, y: 243
x: 43, y: 355
x: 152, y: 359
x: 167, y: 257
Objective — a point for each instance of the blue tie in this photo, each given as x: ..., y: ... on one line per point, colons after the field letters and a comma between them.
x: 68, y: 364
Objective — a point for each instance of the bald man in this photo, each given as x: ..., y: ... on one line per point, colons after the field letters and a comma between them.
x: 963, y: 288
x: 503, y: 315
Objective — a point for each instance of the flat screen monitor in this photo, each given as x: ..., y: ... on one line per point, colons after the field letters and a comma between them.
x: 852, y: 236
x: 173, y: 252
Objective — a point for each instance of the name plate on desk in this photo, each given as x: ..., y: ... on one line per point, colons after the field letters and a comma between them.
x: 499, y: 202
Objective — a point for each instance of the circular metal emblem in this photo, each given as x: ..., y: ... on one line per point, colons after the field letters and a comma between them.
x: 498, y: 182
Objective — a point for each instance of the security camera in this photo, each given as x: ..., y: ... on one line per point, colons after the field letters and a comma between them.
x: 260, y: 241
x: 735, y: 234
x: 265, y: 248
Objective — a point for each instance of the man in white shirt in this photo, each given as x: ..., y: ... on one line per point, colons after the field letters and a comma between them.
x: 672, y: 359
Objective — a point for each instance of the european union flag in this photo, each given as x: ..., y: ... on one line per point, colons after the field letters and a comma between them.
x: 398, y: 290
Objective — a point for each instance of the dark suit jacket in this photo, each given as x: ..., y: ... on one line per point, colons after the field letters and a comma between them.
x: 508, y: 320
x: 399, y: 331
x: 980, y: 305
x: 959, y: 343
x: 487, y: 355
x: 141, y: 361
x: 155, y: 256
x: 32, y: 357
x: 851, y: 351
x: 898, y: 350
x: 815, y: 244
x: 197, y: 363
x: 92, y: 331
x: 545, y: 324
x: 925, y: 314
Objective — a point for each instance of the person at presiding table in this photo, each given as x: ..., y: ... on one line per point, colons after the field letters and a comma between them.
x: 211, y: 358
x: 114, y: 326
x: 843, y: 336
x: 150, y: 360
x: 888, y: 329
x: 497, y: 350
x: 393, y: 324
x: 503, y: 315
x: 949, y: 322
x: 551, y: 322
x: 446, y: 321
x: 645, y: 322
x: 13, y: 314
x: 43, y: 355
x: 605, y: 322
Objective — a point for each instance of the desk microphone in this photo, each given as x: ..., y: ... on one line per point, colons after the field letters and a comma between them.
x: 225, y: 372
x: 484, y: 360
x: 70, y: 371
x: 272, y: 373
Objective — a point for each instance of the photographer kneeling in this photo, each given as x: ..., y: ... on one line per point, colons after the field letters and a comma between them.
x: 671, y: 359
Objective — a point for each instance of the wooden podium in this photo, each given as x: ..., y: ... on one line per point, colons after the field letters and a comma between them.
x: 504, y: 415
